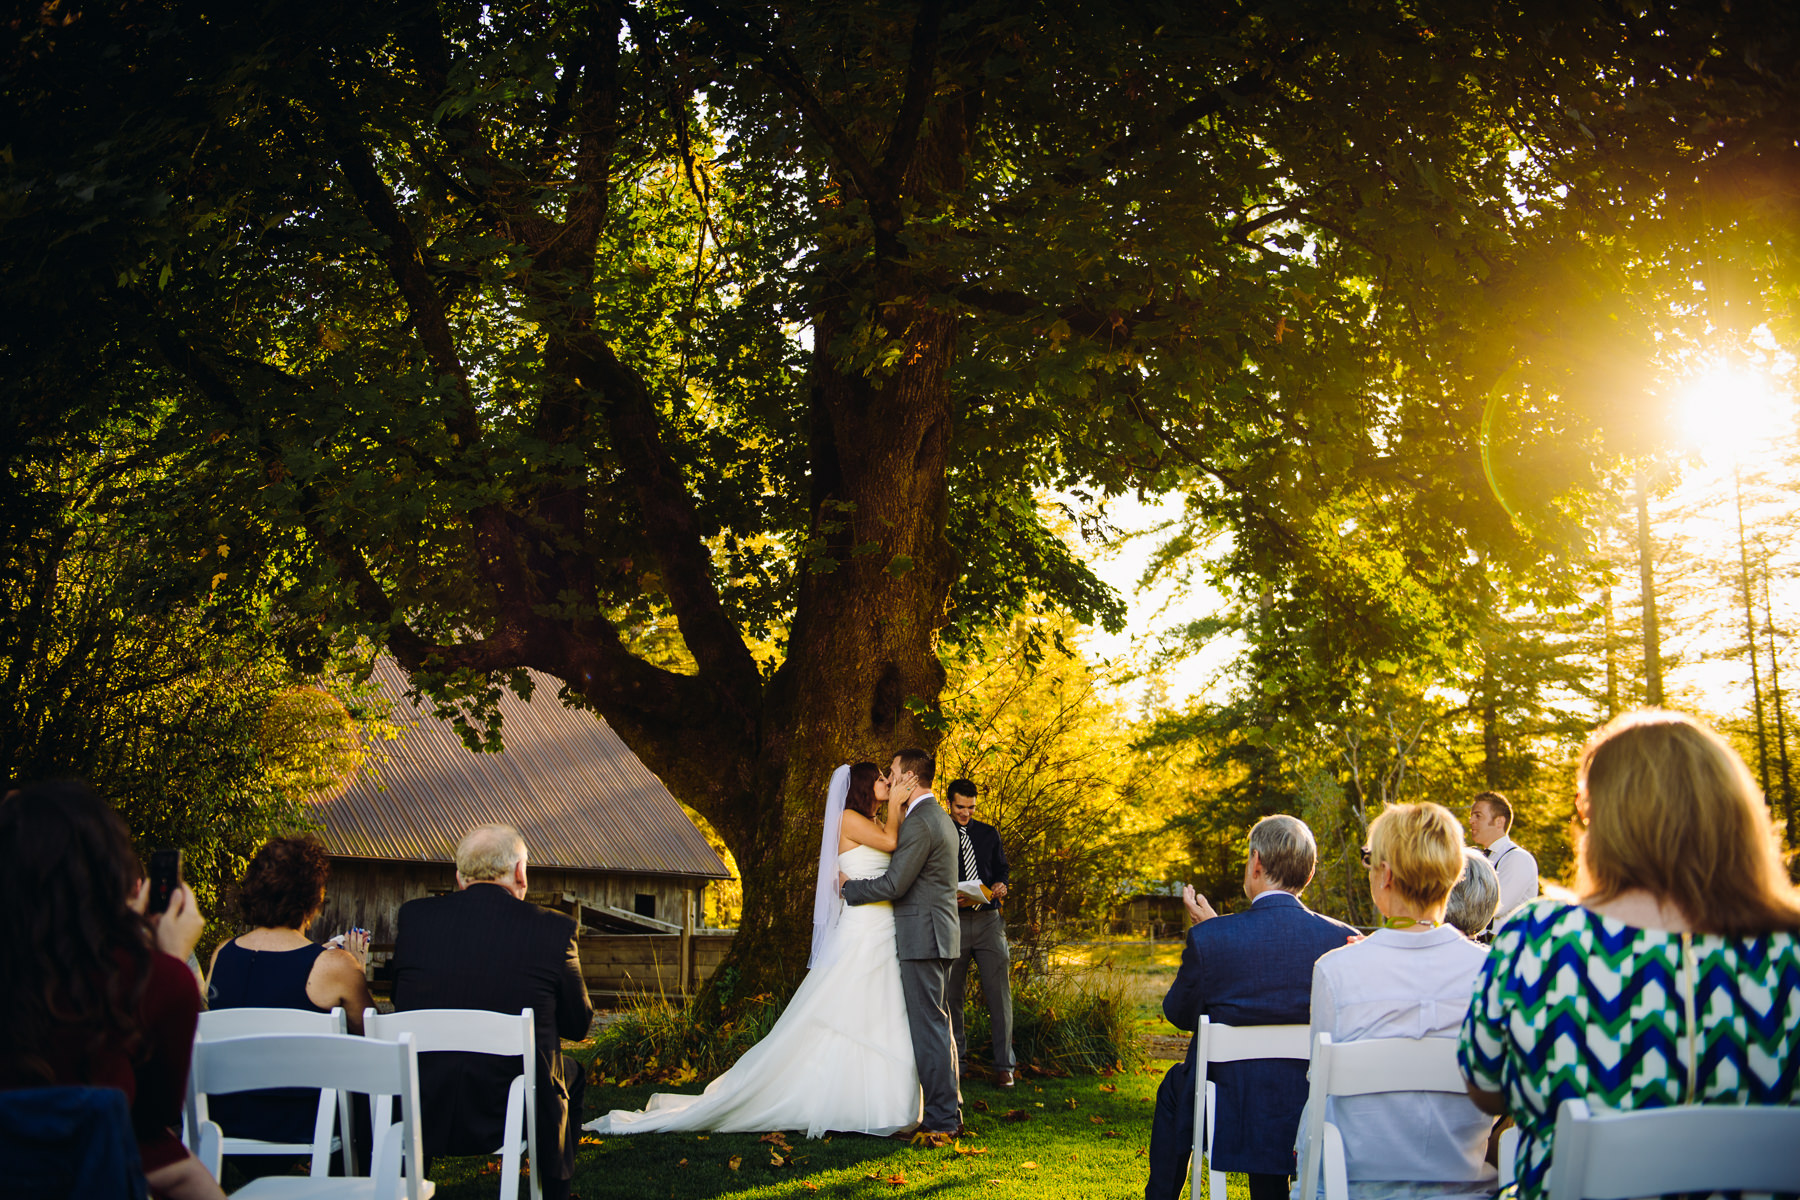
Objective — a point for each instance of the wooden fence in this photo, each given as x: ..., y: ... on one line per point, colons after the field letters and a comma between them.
x: 620, y: 966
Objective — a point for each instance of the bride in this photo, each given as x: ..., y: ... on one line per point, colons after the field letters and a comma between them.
x: 840, y: 1057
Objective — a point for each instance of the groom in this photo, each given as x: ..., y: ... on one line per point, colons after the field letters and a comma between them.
x: 921, y: 882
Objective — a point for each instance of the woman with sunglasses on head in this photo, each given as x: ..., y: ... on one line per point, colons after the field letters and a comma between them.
x: 1674, y: 977
x: 1411, y: 978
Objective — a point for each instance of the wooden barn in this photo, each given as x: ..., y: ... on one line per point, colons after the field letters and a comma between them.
x: 606, y: 841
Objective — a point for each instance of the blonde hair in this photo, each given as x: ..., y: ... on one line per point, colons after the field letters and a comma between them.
x: 489, y: 852
x: 1671, y: 809
x: 1423, y: 844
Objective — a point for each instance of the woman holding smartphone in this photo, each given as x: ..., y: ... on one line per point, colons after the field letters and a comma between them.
x: 97, y: 994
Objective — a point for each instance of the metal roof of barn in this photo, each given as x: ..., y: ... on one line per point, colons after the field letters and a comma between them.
x: 581, y: 799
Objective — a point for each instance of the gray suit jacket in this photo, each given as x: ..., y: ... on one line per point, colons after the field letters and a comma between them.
x: 921, y: 881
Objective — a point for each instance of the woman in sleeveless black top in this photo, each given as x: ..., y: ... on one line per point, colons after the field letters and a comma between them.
x: 275, y: 965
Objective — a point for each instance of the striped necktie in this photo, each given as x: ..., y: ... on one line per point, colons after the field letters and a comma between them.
x: 969, y: 870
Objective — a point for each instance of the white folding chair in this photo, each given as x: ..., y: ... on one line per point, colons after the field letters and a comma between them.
x: 1663, y: 1151
x: 1507, y: 1153
x: 380, y: 1070
x: 478, y: 1031
x: 1364, y: 1068
x: 1215, y: 1043
x: 217, y: 1024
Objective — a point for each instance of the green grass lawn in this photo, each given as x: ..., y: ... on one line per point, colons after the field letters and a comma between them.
x: 1077, y: 1138
x: 1085, y: 1136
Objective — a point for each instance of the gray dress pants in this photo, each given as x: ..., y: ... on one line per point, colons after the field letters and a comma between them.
x: 924, y: 981
x: 984, y: 940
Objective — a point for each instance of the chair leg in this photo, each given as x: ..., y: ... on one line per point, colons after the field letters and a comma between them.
x: 515, y: 1136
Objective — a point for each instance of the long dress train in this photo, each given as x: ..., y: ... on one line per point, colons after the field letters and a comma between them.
x: 840, y: 1057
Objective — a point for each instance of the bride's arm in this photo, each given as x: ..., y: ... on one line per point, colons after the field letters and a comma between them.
x: 864, y: 832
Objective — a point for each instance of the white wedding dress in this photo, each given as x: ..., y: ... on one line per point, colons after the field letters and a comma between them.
x: 840, y: 1058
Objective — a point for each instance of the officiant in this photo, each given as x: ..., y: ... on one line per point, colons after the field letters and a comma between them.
x: 981, y: 887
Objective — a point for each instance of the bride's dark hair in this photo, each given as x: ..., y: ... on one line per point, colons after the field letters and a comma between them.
x: 861, y: 795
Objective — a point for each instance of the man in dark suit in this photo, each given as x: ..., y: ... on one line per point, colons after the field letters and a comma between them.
x: 982, y: 860
x: 483, y: 946
x: 1250, y: 968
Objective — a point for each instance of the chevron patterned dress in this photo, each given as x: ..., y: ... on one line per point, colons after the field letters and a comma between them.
x: 1571, y: 1005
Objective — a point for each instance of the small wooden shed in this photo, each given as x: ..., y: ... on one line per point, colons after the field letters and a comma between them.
x: 605, y: 840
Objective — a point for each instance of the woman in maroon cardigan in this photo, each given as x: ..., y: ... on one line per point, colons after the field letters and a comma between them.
x: 96, y: 994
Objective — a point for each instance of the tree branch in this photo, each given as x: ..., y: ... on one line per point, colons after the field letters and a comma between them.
x: 779, y: 66
x: 920, y: 73
x: 674, y: 528
x: 406, y: 265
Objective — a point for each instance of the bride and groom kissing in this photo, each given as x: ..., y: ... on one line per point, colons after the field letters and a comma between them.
x: 865, y: 1044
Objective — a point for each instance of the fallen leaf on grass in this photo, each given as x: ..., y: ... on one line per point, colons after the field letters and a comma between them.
x: 809, y: 1185
x: 1141, y: 1152
x: 1070, y: 1101
x: 1108, y: 1087
x: 961, y: 1149
x: 702, y: 1137
x: 1038, y: 1104
x: 896, y: 1180
x: 1110, y: 1133
x: 1016, y: 1114
x: 682, y: 1163
x: 1029, y: 1166
x: 980, y: 1106
x: 593, y: 1141
x: 1097, y: 1120
x: 737, y: 1160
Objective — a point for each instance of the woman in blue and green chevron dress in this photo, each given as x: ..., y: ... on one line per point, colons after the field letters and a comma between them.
x: 1683, y: 909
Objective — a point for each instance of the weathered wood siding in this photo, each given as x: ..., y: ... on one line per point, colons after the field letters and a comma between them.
x: 617, y: 967
x: 367, y: 893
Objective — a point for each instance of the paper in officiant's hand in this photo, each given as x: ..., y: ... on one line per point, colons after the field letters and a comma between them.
x: 975, y: 890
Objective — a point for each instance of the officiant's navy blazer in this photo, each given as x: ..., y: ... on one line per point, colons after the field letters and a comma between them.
x: 1248, y: 968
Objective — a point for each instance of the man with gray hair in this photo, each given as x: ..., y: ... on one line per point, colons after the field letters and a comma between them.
x: 1249, y: 968
x: 483, y: 946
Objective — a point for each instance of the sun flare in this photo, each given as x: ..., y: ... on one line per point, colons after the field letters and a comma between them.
x: 1734, y: 409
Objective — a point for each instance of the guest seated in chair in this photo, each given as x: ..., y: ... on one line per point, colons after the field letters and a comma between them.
x: 1682, y: 898
x: 276, y: 965
x: 484, y: 947
x: 1245, y: 968
x: 1411, y: 978
x: 1475, y: 898
x: 93, y: 992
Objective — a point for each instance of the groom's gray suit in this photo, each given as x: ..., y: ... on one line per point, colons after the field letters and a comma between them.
x: 921, y: 882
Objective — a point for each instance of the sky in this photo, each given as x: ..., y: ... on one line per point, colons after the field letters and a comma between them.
x: 1742, y: 417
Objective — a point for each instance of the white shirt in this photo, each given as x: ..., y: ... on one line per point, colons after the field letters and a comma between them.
x: 1518, y: 874
x: 1413, y: 985
x: 914, y: 803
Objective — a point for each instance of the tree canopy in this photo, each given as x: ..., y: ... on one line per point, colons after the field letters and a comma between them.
x: 504, y: 335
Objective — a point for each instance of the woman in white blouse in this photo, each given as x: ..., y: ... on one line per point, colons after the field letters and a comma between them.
x: 1410, y: 978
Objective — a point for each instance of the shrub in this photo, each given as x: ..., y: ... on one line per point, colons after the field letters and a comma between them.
x: 657, y: 1040
x: 1068, y: 1021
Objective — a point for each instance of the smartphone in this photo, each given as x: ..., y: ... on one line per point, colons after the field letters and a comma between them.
x: 165, y: 877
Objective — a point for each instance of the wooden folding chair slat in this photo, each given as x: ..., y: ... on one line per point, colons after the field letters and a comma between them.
x: 478, y: 1031
x: 1664, y: 1151
x: 1216, y: 1043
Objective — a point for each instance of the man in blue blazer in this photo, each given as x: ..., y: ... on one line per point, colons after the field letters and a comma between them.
x: 1248, y: 968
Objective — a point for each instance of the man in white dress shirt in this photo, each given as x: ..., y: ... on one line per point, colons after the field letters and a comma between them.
x: 1490, y: 820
